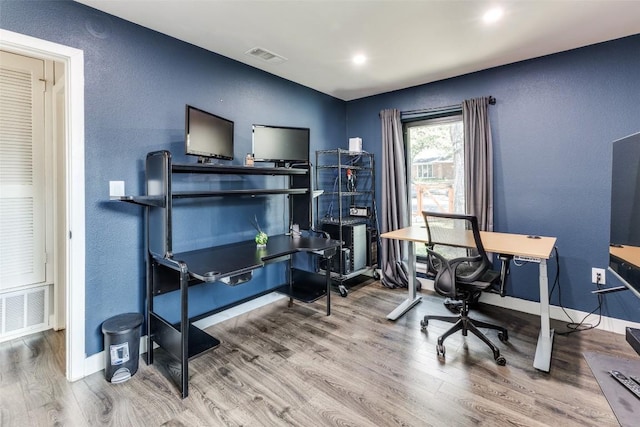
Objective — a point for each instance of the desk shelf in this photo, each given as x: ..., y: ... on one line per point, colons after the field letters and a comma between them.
x: 156, y: 201
x: 239, y: 192
x: 235, y: 169
x: 169, y: 337
x: 160, y: 201
x: 305, y: 286
x: 349, y: 220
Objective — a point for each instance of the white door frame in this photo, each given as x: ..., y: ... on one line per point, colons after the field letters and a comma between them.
x: 73, y: 182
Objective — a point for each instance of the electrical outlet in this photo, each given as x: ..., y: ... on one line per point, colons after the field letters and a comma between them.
x: 598, y: 276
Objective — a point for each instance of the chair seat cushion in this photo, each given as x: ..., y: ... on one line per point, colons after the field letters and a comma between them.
x: 487, y: 279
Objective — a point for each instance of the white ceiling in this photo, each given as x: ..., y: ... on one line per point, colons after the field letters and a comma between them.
x: 407, y: 42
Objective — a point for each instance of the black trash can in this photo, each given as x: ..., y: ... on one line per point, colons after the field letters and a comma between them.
x: 121, y: 346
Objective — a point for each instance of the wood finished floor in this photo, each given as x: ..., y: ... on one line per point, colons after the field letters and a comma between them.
x: 281, y: 366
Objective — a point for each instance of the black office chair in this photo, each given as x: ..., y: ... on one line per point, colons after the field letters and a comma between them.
x: 499, y: 287
x: 462, y: 270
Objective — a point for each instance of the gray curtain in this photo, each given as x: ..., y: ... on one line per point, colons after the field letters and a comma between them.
x: 394, y: 199
x: 478, y: 160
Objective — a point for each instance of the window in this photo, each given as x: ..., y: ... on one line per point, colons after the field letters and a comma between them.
x: 424, y: 170
x: 435, y: 151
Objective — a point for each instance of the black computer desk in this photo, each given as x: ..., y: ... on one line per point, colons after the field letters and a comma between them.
x: 231, y: 264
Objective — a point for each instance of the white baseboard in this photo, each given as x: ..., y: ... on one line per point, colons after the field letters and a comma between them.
x: 238, y: 310
x: 96, y: 362
x: 609, y: 324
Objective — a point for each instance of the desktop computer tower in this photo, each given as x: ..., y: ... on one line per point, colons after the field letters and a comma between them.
x: 340, y: 263
x: 355, y: 239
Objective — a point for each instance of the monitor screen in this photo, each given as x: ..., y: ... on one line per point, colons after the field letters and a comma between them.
x: 624, y: 248
x: 208, y: 135
x: 280, y: 144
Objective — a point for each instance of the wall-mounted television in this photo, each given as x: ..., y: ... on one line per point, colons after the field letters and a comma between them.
x: 207, y: 136
x: 280, y: 145
x: 624, y: 247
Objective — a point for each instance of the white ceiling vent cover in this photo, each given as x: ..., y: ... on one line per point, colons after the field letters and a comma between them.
x: 266, y: 55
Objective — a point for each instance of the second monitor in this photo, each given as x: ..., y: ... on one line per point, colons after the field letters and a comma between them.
x: 280, y: 145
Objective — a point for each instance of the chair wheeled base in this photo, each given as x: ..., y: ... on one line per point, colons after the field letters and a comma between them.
x: 464, y: 323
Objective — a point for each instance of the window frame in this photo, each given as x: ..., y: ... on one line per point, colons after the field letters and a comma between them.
x: 425, y: 118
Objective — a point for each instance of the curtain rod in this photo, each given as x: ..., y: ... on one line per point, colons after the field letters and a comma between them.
x: 492, y: 101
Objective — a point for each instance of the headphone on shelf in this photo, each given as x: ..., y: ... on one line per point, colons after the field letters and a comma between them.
x: 351, y: 180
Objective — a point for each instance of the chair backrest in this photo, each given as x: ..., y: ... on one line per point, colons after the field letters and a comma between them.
x: 454, y: 251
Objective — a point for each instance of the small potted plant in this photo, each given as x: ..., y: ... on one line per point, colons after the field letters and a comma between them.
x: 261, y: 237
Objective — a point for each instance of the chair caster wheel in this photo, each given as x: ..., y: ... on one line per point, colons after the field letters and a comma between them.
x: 440, y: 350
x: 423, y: 325
x: 343, y: 291
x: 503, y: 336
x: 501, y: 361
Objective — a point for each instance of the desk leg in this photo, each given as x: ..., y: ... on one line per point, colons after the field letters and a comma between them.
x: 184, y: 331
x: 412, y: 299
x: 328, y: 283
x: 542, y: 360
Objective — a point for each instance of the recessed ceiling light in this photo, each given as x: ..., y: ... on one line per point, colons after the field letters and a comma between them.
x: 492, y: 15
x: 359, y: 59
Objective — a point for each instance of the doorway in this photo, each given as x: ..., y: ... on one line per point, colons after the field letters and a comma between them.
x: 28, y: 282
x: 71, y: 241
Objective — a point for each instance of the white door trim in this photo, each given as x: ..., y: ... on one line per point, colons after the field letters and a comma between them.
x: 74, y: 183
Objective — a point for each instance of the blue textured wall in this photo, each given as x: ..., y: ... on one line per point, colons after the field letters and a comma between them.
x: 137, y: 83
x: 553, y: 126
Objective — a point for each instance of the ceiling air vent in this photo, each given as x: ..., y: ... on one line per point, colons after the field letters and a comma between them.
x: 266, y: 55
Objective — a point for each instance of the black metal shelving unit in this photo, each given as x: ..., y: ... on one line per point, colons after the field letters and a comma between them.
x: 346, y: 209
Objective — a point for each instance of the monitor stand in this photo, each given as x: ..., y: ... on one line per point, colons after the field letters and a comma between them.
x: 209, y: 161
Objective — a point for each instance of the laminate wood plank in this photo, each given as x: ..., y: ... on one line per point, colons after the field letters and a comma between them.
x: 481, y: 347
x: 13, y: 409
x: 565, y: 375
x: 295, y: 366
x: 325, y: 365
x: 8, y: 362
x: 48, y: 398
x: 367, y: 392
x: 149, y: 400
x: 39, y: 386
x: 350, y: 370
x: 56, y: 342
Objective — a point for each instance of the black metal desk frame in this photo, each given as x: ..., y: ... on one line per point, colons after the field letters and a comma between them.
x: 231, y: 264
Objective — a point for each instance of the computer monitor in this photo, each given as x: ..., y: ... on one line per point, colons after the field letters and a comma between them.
x: 280, y: 145
x: 624, y: 248
x: 207, y: 136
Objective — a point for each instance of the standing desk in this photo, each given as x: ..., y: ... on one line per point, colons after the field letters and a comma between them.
x: 532, y: 249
